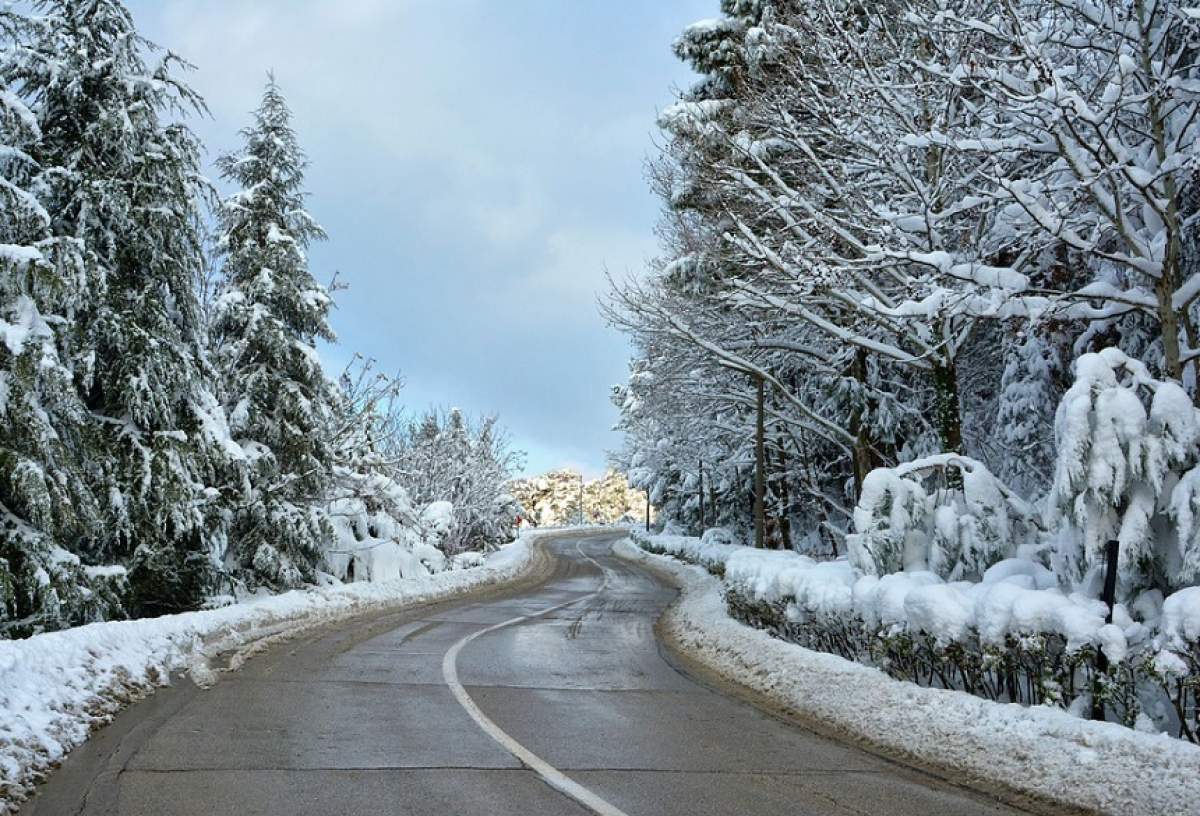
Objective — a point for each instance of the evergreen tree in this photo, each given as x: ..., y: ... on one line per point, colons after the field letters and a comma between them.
x: 268, y: 316
x: 121, y: 180
x: 44, y: 505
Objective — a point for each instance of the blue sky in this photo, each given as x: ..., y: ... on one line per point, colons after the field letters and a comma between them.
x: 477, y: 164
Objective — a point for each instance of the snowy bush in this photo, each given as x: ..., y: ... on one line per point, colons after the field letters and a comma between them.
x: 1013, y: 635
x: 710, y: 552
x: 458, y: 470
x: 947, y: 514
x: 1125, y: 470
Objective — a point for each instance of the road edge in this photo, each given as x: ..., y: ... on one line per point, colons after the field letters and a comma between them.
x: 758, y: 688
x: 203, y: 657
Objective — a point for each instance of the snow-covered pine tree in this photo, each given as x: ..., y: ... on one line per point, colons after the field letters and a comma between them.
x: 1029, y: 392
x: 268, y: 316
x: 121, y: 176
x: 45, y: 505
x: 1127, y: 447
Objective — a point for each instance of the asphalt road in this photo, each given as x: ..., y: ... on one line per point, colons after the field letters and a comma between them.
x: 483, y: 706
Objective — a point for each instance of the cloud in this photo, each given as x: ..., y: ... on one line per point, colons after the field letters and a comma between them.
x: 575, y: 250
x: 477, y: 164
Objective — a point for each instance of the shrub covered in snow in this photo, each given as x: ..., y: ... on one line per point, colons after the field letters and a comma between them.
x: 1013, y: 635
x: 710, y: 552
x: 947, y: 514
x: 1127, y: 446
x: 1126, y: 469
x: 459, y: 470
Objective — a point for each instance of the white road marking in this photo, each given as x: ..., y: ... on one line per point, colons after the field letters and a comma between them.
x: 552, y: 776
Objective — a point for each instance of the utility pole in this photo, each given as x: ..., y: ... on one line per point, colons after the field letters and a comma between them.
x: 760, y: 483
x: 580, y: 498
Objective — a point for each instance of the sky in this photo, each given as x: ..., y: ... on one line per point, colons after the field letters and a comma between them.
x: 478, y: 165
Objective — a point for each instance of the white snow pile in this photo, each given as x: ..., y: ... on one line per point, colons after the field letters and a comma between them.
x: 386, y: 539
x: 1040, y: 751
x: 57, y: 687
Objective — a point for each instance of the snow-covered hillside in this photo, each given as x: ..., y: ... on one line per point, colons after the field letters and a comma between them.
x: 554, y: 498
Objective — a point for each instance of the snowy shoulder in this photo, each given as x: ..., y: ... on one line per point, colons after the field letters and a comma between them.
x: 57, y: 687
x: 1039, y: 751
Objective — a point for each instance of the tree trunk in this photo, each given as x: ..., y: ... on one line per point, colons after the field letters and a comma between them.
x: 1164, y: 290
x: 948, y: 413
x: 947, y: 410
x: 760, y: 483
x: 865, y: 457
x: 700, y: 493
x: 784, y: 507
x: 1169, y: 281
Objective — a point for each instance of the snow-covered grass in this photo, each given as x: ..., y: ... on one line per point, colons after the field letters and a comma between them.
x: 55, y: 688
x: 1039, y: 751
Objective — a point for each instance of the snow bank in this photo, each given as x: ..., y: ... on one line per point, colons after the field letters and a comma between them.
x: 56, y: 687
x: 1016, y: 597
x: 1013, y: 636
x: 1040, y: 751
x: 711, y: 551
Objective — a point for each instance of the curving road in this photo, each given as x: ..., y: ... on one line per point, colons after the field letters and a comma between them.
x: 535, y: 702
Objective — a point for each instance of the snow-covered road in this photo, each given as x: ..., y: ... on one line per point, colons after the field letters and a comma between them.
x: 527, y: 702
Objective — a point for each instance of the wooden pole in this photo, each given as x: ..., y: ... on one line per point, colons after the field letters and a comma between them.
x: 1111, y: 551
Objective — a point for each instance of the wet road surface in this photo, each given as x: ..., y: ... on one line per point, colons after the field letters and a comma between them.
x: 482, y: 707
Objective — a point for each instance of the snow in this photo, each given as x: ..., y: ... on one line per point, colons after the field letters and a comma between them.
x: 1180, y: 623
x: 1016, y: 597
x: 27, y: 322
x: 16, y: 254
x: 438, y: 516
x: 1040, y: 751
x: 698, y: 117
x: 55, y: 688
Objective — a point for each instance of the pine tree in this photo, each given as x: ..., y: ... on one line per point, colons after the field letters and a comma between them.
x: 268, y: 316
x: 121, y: 179
x: 45, y: 506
